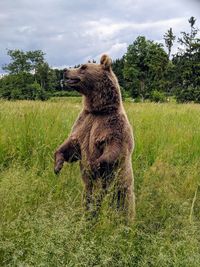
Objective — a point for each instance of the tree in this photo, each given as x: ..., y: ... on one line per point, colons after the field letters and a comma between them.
x: 19, y: 62
x: 30, y: 76
x: 36, y: 58
x: 45, y: 76
x: 187, y: 65
x: 21, y: 86
x: 15, y: 86
x: 188, y: 39
x: 169, y: 38
x: 144, y: 67
x: 117, y: 67
x: 24, y: 61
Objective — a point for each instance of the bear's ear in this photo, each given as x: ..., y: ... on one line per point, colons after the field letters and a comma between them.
x: 106, y: 62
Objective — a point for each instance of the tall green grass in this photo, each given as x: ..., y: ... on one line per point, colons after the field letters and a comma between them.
x: 42, y: 222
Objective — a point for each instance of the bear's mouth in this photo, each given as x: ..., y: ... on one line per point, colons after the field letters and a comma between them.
x: 72, y: 81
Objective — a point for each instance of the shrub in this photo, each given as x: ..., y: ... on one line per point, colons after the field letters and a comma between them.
x: 21, y: 86
x: 137, y: 100
x: 188, y: 94
x: 197, y: 95
x: 36, y: 92
x: 157, y: 96
x: 124, y: 93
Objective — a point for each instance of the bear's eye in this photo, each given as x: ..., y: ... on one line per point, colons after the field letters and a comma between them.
x: 83, y: 67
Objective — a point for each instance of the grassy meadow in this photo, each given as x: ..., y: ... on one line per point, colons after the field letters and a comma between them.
x: 42, y: 222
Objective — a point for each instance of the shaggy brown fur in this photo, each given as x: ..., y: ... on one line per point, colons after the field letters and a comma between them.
x: 101, y: 137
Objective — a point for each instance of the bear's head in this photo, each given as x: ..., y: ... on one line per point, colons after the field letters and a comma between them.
x: 97, y: 83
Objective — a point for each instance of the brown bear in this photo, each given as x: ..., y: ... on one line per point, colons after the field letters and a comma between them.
x: 101, y: 138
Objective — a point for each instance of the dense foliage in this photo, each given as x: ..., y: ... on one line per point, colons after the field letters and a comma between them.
x: 145, y: 70
x: 30, y: 77
x: 144, y: 67
x: 187, y: 66
x: 148, y: 69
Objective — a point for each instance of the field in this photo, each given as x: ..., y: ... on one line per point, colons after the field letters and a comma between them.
x: 42, y: 222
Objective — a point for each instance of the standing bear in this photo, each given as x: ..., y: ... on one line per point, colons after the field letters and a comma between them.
x: 101, y: 138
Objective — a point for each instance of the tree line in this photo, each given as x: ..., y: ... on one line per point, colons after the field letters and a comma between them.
x: 146, y: 71
x: 30, y: 76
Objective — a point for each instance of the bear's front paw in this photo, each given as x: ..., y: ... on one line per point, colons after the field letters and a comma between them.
x: 58, y: 167
x: 94, y: 166
x: 56, y: 171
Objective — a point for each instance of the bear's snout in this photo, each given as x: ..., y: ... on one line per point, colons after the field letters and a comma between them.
x: 69, y: 78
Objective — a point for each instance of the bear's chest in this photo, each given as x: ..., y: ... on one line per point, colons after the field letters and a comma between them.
x: 92, y: 135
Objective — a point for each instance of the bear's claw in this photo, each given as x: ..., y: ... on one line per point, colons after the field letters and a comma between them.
x: 57, y: 171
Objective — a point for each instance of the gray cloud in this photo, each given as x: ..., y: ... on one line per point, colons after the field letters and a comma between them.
x: 70, y: 32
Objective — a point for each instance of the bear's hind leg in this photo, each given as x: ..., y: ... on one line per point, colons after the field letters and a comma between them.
x: 123, y: 202
x: 87, y: 196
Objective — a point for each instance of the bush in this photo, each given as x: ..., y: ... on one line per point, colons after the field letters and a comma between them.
x: 197, y: 95
x: 124, y: 93
x: 21, y: 86
x: 36, y: 92
x: 188, y: 94
x: 138, y: 100
x: 157, y: 96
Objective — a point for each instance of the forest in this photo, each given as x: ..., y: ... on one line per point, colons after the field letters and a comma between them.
x: 147, y: 71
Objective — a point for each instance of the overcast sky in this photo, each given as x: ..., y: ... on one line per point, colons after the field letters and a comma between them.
x: 74, y: 31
